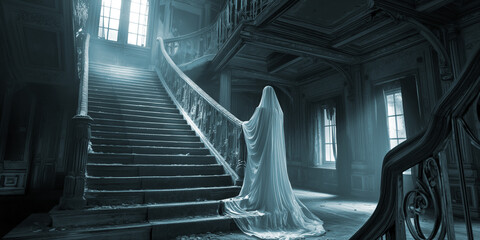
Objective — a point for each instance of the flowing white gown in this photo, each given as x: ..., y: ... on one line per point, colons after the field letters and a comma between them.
x: 266, y: 206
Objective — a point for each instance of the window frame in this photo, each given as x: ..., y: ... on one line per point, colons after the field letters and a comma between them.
x: 321, y: 161
x: 124, y: 23
x: 393, y: 89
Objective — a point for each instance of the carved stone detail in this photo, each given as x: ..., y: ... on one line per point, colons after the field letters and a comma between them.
x: 74, y: 188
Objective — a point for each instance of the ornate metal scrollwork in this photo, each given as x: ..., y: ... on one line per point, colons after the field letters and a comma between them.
x: 426, y: 197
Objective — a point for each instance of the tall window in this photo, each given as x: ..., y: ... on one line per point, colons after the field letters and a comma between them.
x: 395, y: 117
x: 113, y: 24
x: 137, y: 27
x: 325, y: 144
x: 330, y: 129
x: 109, y: 19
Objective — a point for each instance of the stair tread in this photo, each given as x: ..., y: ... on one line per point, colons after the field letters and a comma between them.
x: 140, y: 140
x: 135, y: 206
x: 152, y: 165
x: 161, y: 190
x: 160, y: 177
x: 132, y: 122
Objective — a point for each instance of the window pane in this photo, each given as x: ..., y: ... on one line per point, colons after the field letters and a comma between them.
x: 393, y: 143
x: 116, y: 4
x: 328, y: 151
x: 390, y: 105
x: 328, y: 137
x: 142, y: 30
x: 132, y: 38
x: 135, y: 8
x: 395, y: 118
x: 398, y: 103
x: 138, y: 22
x: 401, y: 127
x: 112, y: 35
x: 109, y: 19
x: 392, y: 127
x: 114, y: 23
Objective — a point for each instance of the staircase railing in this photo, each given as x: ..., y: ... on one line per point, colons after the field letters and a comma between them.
x: 432, y: 154
x: 218, y: 128
x: 74, y: 184
x: 210, y: 39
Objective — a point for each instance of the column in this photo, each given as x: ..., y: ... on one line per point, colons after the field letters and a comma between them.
x: 226, y: 89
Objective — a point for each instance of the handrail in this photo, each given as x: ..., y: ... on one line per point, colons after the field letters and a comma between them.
x: 219, y: 129
x: 197, y: 89
x: 417, y: 151
x: 82, y: 109
x: 74, y: 183
x: 209, y: 40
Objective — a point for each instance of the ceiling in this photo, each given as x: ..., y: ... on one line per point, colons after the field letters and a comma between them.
x: 307, y: 39
x: 325, y: 13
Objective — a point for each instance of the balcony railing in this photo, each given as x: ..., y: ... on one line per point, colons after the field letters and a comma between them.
x: 443, y: 150
x: 209, y: 40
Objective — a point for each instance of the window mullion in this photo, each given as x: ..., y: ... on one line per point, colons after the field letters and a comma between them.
x: 124, y: 19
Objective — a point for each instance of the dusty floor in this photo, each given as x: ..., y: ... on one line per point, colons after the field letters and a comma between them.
x: 342, y: 217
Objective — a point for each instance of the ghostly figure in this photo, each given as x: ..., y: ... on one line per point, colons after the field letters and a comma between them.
x: 266, y: 206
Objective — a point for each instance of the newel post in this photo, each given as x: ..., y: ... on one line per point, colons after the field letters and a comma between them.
x: 74, y: 188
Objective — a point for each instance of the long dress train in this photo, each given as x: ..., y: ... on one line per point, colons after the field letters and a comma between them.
x: 266, y: 206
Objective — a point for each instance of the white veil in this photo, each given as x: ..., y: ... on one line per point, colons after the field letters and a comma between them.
x: 266, y: 206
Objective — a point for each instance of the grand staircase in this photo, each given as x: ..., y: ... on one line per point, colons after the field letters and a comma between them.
x: 149, y: 176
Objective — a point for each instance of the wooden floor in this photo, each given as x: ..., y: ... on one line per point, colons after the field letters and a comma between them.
x: 341, y: 216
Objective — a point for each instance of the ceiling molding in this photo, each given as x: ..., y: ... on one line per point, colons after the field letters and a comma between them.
x: 295, y: 47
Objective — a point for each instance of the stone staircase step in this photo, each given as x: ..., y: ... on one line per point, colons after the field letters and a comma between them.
x: 98, y: 216
x: 140, y: 231
x: 169, y: 229
x: 178, y: 119
x: 149, y: 149
x: 144, y: 134
x: 153, y: 112
x: 127, y: 92
x: 132, y: 170
x: 115, y: 102
x: 98, y: 81
x: 116, y: 78
x: 136, y: 142
x: 150, y: 90
x: 149, y: 159
x: 157, y: 182
x: 117, y: 197
x: 171, y: 118
x: 138, y: 124
x: 108, y: 95
x: 112, y: 69
x: 151, y: 87
x: 120, y: 72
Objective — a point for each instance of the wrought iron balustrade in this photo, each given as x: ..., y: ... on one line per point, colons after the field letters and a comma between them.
x: 442, y: 151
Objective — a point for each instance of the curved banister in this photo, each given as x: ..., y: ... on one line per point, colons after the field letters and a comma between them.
x: 197, y: 89
x: 219, y: 129
x: 415, y: 151
x: 82, y: 109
